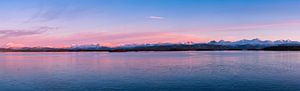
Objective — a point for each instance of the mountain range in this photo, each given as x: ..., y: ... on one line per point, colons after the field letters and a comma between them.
x: 253, y: 44
x: 256, y: 42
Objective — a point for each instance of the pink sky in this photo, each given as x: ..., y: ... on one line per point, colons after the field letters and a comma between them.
x: 103, y: 39
x: 62, y: 23
x: 114, y: 39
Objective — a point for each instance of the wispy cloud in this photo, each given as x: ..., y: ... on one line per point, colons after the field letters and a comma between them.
x: 51, y: 12
x: 156, y: 17
x: 24, y: 32
x: 45, y: 13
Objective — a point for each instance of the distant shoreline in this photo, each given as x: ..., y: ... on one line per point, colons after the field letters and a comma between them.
x: 242, y: 45
x: 120, y: 51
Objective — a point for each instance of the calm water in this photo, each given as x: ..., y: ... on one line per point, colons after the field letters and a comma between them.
x: 151, y: 71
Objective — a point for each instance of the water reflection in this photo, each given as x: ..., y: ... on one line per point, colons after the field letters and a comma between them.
x: 135, y: 71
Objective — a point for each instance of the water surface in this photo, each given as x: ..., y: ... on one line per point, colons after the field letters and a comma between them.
x: 151, y: 71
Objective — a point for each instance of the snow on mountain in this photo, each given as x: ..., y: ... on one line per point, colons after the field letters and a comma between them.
x: 89, y: 47
x: 256, y: 42
x: 145, y: 45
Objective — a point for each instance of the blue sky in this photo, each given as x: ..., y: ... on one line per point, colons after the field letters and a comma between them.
x: 115, y: 22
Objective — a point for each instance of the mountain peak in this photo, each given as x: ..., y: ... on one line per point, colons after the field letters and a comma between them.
x: 255, y: 41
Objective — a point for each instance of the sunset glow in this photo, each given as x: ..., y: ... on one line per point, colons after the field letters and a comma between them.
x: 61, y: 23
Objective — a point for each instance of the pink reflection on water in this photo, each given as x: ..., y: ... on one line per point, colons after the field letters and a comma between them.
x: 208, y: 68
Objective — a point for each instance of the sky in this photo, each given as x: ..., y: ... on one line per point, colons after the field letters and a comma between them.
x: 62, y: 23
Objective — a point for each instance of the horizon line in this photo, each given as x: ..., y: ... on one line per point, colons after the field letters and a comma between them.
x: 11, y: 45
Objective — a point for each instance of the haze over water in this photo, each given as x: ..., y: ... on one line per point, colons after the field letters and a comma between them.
x: 151, y: 71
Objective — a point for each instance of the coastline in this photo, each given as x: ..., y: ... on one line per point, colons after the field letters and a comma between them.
x: 121, y: 51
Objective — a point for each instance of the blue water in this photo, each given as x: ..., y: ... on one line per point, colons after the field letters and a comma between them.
x: 151, y: 71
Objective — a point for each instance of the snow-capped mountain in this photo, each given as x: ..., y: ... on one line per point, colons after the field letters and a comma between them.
x: 145, y: 45
x: 88, y: 47
x: 255, y: 42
